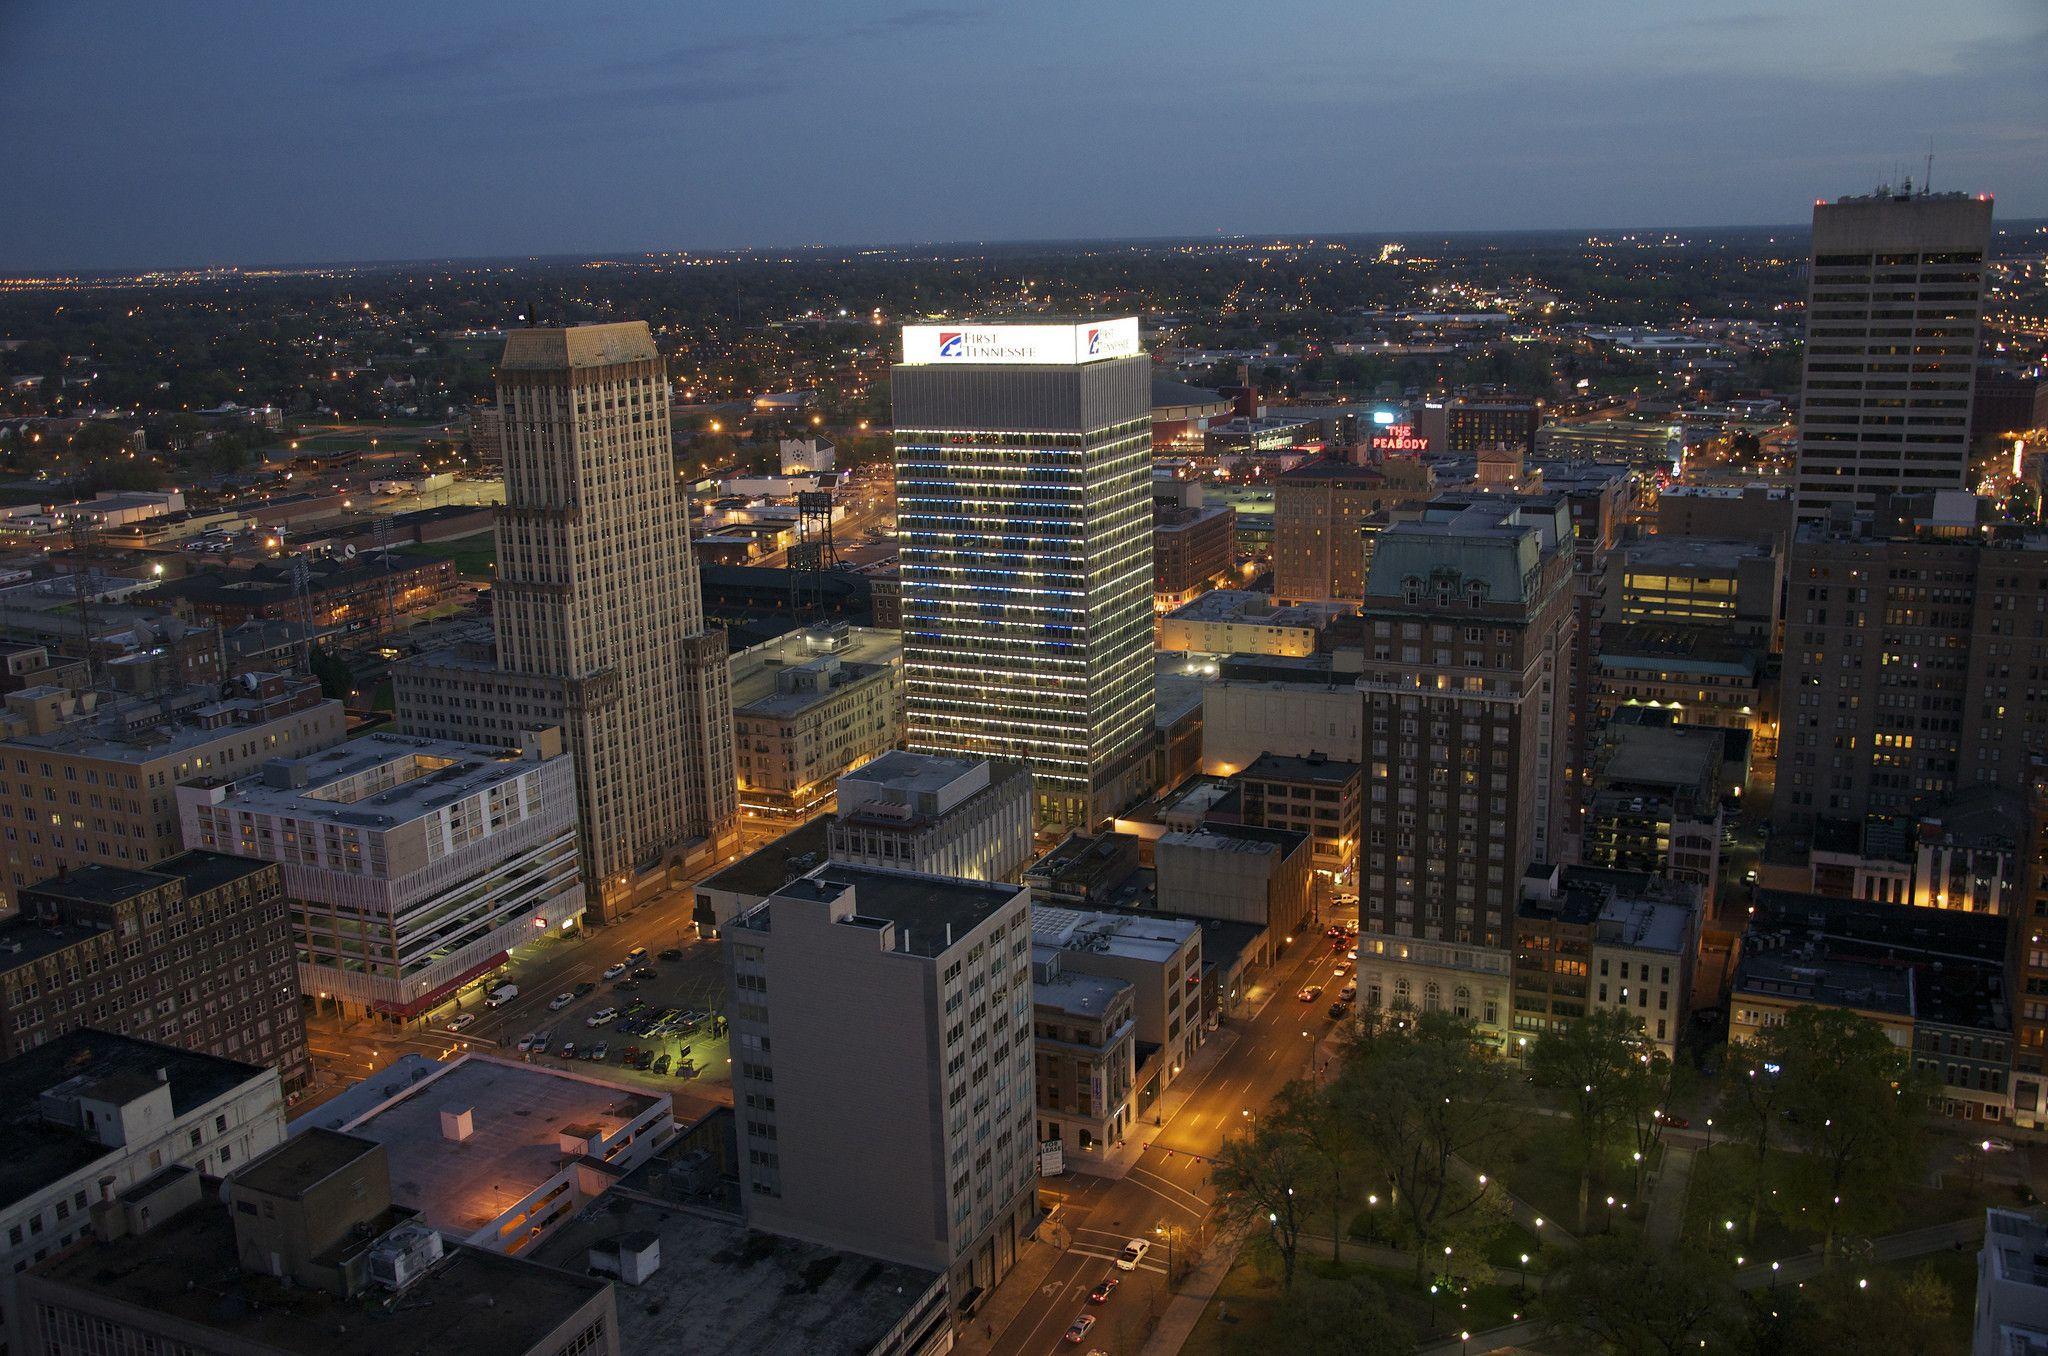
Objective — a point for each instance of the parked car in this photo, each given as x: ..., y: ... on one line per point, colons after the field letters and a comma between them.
x: 568, y: 1050
x: 660, y: 1065
x: 585, y: 987
x: 1997, y: 1146
x: 1338, y: 1009
x: 560, y: 1001
x: 599, y: 1051
x: 672, y: 953
x: 602, y: 1017
x: 614, y: 970
x: 636, y: 955
x: 1077, y: 1332
x: 1133, y: 1253
x: 1101, y: 1293
x: 646, y: 972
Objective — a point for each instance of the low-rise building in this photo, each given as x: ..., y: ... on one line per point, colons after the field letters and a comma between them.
x: 1161, y: 958
x: 302, y: 1254
x: 494, y: 1153
x: 413, y: 865
x: 1083, y: 870
x: 1194, y: 543
x: 1655, y: 803
x: 2012, y: 1286
x: 195, y: 952
x: 1590, y: 939
x: 1233, y: 621
x: 89, y: 777
x: 1314, y: 794
x: 1732, y: 585
x: 1654, y: 446
x: 1085, y: 1057
x: 1297, y: 710
x: 1645, y: 945
x: 360, y: 594
x: 1694, y: 670
x: 1962, y: 851
x: 807, y: 707
x: 91, y: 1116
x: 969, y: 818
x: 1242, y: 874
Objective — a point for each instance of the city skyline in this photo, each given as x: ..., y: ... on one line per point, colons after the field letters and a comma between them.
x: 1608, y: 120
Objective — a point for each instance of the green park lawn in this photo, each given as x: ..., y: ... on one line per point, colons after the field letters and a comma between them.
x: 1246, y: 1301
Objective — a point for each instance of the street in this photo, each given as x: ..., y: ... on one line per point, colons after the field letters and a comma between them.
x: 1167, y: 1193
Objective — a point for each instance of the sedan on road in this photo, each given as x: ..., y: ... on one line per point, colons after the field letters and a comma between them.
x: 458, y: 1023
x: 1078, y: 1332
x: 1310, y: 993
x: 560, y: 1001
x: 673, y: 953
x: 615, y: 969
x: 1101, y: 1293
x: 1133, y: 1253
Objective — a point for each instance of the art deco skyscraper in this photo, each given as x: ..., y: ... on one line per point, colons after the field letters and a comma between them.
x: 598, y: 614
x: 1897, y: 296
x: 1024, y: 514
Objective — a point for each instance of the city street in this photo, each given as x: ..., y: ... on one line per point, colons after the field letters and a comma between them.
x: 1167, y: 1192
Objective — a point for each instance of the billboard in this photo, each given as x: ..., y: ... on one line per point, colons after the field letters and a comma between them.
x: 1042, y: 345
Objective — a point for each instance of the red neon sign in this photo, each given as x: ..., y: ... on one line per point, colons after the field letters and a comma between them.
x: 1399, y: 438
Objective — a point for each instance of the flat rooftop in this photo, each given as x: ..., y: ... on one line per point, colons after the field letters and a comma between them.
x: 1661, y: 756
x: 723, y: 1288
x: 775, y: 864
x: 35, y: 1152
x: 303, y: 1162
x: 199, y: 870
x: 1153, y: 939
x: 1072, y: 992
x: 912, y: 773
x: 474, y: 1303
x: 1693, y: 553
x: 1315, y: 768
x: 1676, y: 645
x: 1241, y: 605
x: 416, y: 777
x: 518, y: 1111
x: 923, y: 908
x: 1645, y: 925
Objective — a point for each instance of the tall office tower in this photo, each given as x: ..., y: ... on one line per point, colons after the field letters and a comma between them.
x: 882, y: 1068
x: 1895, y: 301
x: 1024, y: 513
x: 1912, y: 647
x: 1469, y: 620
x: 600, y: 624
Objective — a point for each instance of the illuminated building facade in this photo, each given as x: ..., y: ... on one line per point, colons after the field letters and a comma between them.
x: 1024, y: 494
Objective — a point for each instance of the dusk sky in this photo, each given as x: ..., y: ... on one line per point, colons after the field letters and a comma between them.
x: 220, y: 132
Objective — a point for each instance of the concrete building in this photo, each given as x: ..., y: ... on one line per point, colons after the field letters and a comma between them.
x: 495, y: 1153
x: 1655, y: 804
x: 1194, y: 543
x: 195, y: 952
x: 2012, y: 1286
x: 1469, y: 424
x: 1965, y: 851
x: 365, y: 595
x: 91, y: 1116
x: 1910, y: 661
x: 885, y: 999
x: 2027, y: 963
x: 966, y: 818
x: 598, y: 615
x: 1730, y: 585
x: 1318, y: 511
x: 1023, y: 490
x: 1232, y: 621
x: 1469, y: 615
x: 88, y: 777
x: 1894, y: 305
x: 1239, y: 874
x: 1085, y: 1057
x: 807, y: 707
x: 1590, y: 939
x: 1160, y: 958
x: 1320, y: 796
x: 1083, y: 871
x: 303, y: 1254
x: 1291, y: 711
x: 1645, y: 945
x: 413, y: 865
x: 1762, y: 513
x: 1653, y: 445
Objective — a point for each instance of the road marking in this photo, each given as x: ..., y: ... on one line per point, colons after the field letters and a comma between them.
x: 1200, y: 1204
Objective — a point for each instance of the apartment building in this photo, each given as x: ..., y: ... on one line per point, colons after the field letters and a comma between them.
x: 90, y: 777
x: 89, y: 1116
x: 1085, y: 1053
x: 413, y: 865
x: 1469, y: 616
x: 1159, y: 957
x: 1194, y: 543
x: 969, y: 818
x: 195, y: 952
x: 1314, y: 794
x: 1656, y: 803
x: 865, y: 998
x: 809, y: 706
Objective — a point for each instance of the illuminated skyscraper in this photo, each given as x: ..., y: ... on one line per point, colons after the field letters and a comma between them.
x: 1024, y: 494
x: 1891, y: 346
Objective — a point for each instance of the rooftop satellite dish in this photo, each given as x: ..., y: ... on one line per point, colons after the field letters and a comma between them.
x: 348, y: 553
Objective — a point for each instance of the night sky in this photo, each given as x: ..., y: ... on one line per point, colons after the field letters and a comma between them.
x: 210, y: 131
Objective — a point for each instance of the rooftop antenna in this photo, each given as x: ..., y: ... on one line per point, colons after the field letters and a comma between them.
x: 1927, y: 179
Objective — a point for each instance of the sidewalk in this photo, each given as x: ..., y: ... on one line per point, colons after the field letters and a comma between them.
x: 1185, y: 1309
x: 1666, y: 1215
x: 1118, y: 1160
x: 1035, y: 1260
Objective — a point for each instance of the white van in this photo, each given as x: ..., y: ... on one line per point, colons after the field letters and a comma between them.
x: 502, y: 995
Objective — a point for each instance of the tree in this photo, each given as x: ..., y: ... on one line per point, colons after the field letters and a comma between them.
x: 1586, y: 1064
x: 337, y: 680
x: 1332, y: 1143
x: 1327, y: 1317
x: 1263, y: 1181
x: 1890, y: 1315
x: 1643, y: 1091
x: 1855, y: 1110
x: 1630, y: 1300
x: 1754, y: 1095
x: 1422, y: 1093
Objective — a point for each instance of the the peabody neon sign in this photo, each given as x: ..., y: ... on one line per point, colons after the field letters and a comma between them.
x: 1399, y: 438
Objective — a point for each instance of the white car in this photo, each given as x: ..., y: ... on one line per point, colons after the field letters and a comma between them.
x: 560, y: 1001
x: 614, y: 970
x: 602, y: 1017
x: 1133, y: 1253
x: 1997, y: 1146
x: 458, y: 1023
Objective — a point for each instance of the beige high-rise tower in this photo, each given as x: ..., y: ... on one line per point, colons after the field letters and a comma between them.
x: 599, y: 619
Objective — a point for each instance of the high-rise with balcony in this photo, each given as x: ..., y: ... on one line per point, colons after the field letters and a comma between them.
x: 1024, y: 513
x: 599, y: 618
x: 1892, y: 318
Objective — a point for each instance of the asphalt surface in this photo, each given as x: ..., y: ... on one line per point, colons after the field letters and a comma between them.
x: 1169, y: 1186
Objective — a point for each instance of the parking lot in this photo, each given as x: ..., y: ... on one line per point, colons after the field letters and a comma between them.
x: 657, y: 1012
